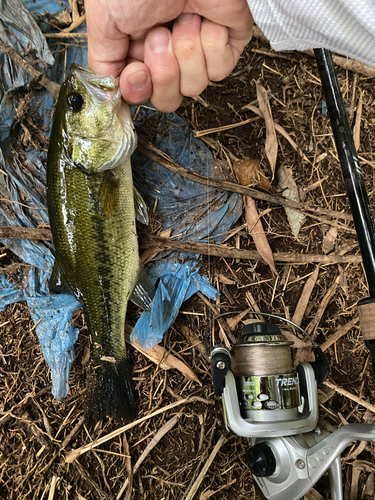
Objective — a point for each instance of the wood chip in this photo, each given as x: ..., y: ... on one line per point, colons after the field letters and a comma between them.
x: 349, y: 395
x: 340, y: 332
x: 205, y: 468
x: 357, y: 125
x: 155, y: 440
x: 271, y: 145
x: 233, y: 322
x: 305, y: 297
x: 313, y: 495
x: 323, y: 305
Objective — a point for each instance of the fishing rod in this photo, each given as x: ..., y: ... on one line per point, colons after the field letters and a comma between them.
x: 355, y: 188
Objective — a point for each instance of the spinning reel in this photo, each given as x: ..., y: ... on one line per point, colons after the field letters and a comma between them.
x: 276, y: 407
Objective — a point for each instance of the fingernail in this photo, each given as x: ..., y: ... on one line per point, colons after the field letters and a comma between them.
x: 159, y: 41
x: 185, y: 18
x: 138, y: 80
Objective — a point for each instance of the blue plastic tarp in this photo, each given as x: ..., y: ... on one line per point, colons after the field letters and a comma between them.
x: 185, y: 206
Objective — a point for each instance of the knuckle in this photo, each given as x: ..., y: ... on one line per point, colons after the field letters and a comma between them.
x: 193, y: 90
x: 184, y: 49
x: 165, y: 76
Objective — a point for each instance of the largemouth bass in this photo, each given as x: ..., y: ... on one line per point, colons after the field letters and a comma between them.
x: 92, y: 210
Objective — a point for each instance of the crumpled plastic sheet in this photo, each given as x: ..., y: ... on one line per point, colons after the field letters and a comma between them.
x: 190, y: 210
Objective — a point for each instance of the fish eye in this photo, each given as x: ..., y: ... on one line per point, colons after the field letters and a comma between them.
x: 75, y: 101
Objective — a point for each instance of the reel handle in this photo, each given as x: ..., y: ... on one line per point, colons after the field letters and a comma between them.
x: 301, y: 460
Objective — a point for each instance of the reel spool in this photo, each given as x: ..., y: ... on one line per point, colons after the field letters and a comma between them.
x: 267, y: 385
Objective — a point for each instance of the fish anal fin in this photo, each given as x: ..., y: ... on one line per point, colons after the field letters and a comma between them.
x: 144, y: 290
x: 109, y: 193
x: 57, y: 282
x: 110, y: 392
x: 140, y: 206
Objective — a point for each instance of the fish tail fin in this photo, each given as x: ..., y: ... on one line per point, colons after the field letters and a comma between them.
x: 110, y: 393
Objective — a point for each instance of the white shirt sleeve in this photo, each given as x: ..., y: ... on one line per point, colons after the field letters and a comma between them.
x: 344, y: 26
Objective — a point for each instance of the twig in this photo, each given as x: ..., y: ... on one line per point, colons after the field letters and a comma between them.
x: 62, y: 34
x: 75, y: 24
x: 128, y: 466
x: 164, y: 160
x: 30, y: 233
x: 154, y: 441
x: 201, y: 133
x: 19, y: 408
x: 351, y: 396
x: 70, y: 457
x: 53, y: 87
x: 73, y: 432
x: 230, y: 252
x: 53, y: 487
x: 205, y: 468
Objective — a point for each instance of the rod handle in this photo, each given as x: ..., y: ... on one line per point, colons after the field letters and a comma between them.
x: 366, y: 312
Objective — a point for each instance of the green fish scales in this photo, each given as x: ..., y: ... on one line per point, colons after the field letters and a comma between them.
x: 92, y: 216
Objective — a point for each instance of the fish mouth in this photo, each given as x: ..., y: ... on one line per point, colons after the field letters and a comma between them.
x: 98, y: 80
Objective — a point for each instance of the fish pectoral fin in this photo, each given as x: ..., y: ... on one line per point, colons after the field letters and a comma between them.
x: 144, y: 290
x: 57, y: 282
x: 109, y: 194
x: 140, y: 206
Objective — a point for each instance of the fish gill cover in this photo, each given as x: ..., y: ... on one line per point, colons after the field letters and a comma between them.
x: 182, y: 204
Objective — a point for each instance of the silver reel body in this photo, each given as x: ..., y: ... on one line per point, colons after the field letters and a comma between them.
x: 276, y: 408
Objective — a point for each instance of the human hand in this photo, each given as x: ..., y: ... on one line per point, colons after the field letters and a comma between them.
x: 202, y: 41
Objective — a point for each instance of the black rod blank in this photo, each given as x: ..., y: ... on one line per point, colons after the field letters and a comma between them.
x: 355, y: 186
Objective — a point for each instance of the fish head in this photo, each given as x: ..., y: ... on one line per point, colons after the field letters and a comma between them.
x: 98, y: 131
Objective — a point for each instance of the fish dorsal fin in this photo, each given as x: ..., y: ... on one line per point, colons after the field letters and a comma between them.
x: 144, y: 290
x: 140, y: 206
x: 109, y: 193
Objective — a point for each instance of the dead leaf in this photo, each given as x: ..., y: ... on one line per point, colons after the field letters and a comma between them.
x: 60, y: 20
x: 289, y: 190
x: 329, y: 240
x: 250, y: 173
x: 255, y: 228
x: 163, y: 358
x: 271, y: 145
x: 305, y: 297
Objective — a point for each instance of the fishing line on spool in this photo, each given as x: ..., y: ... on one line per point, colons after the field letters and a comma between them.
x: 256, y: 313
